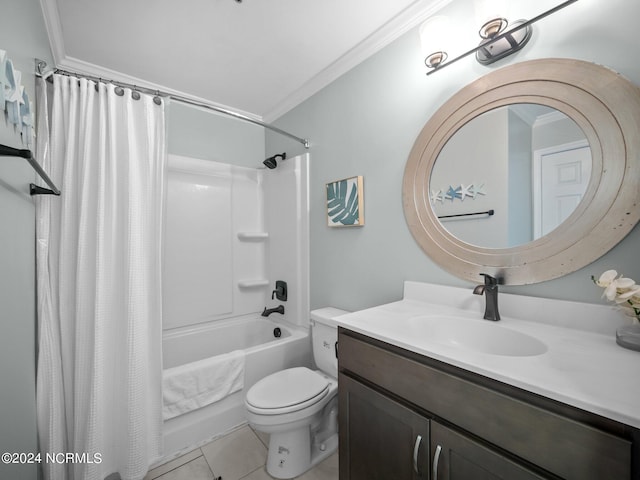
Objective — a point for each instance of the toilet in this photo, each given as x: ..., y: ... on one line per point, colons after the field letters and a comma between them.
x: 298, y: 406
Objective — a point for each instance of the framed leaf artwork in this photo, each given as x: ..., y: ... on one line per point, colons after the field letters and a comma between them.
x: 345, y: 202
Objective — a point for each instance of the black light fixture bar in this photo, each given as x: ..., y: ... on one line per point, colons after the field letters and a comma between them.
x: 504, y: 34
x: 6, y: 151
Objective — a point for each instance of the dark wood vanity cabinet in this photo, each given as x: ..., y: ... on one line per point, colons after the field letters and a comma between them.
x: 406, y: 416
x: 386, y: 439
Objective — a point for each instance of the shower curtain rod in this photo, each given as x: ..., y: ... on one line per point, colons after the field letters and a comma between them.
x: 40, y: 65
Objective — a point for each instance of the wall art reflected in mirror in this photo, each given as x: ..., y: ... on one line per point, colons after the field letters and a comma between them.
x: 599, y: 111
x: 511, y: 175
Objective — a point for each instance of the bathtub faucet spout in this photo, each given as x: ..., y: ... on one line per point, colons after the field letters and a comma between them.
x: 268, y: 311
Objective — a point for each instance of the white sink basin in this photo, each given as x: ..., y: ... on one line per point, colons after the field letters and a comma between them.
x: 474, y: 334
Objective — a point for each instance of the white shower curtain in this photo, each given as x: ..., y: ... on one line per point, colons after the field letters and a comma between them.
x: 99, y: 281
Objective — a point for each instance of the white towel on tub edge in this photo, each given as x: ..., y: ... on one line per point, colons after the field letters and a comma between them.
x: 197, y: 384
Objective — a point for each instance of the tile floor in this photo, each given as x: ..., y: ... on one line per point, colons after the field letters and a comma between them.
x: 239, y: 455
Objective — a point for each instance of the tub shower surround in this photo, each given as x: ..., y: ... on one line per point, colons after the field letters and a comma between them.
x: 210, y: 273
x: 230, y: 232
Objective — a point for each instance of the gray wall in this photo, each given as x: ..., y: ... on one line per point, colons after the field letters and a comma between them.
x: 520, y: 186
x: 366, y: 122
x: 478, y: 153
x: 22, y: 35
x: 199, y: 133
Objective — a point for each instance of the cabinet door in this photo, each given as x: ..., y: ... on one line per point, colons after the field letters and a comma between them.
x: 380, y: 439
x: 456, y: 457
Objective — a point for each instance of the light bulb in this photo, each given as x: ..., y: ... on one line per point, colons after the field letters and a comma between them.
x: 433, y: 35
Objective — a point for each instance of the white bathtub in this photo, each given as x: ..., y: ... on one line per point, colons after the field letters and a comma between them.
x: 265, y: 354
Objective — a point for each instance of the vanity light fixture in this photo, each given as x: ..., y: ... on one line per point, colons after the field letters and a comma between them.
x: 431, y: 32
x: 499, y: 38
x: 513, y: 40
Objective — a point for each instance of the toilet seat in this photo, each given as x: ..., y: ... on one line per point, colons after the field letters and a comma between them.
x: 287, y: 391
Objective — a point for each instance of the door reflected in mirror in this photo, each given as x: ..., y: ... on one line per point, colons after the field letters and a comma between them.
x: 528, y: 164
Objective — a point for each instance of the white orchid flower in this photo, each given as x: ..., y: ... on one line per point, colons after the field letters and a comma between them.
x: 633, y: 291
x: 606, y: 278
x: 622, y: 291
x: 614, y: 286
x: 618, y: 287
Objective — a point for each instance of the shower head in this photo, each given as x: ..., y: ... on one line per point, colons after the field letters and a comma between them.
x: 271, y: 161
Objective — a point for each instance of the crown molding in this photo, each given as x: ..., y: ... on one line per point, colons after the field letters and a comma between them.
x: 62, y: 61
x: 549, y: 118
x: 81, y: 67
x: 533, y: 119
x: 523, y: 113
x: 54, y: 29
x: 408, y: 19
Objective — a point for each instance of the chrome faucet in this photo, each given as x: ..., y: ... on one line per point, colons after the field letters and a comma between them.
x: 490, y: 290
x: 268, y: 311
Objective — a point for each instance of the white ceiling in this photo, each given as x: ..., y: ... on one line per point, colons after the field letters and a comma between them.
x: 256, y: 57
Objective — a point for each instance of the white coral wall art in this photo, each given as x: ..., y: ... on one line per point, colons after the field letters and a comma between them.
x: 459, y: 192
x: 14, y: 100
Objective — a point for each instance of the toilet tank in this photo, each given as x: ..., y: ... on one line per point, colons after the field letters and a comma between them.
x: 324, y: 337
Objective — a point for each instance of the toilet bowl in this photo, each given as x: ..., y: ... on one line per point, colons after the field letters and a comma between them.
x: 298, y: 406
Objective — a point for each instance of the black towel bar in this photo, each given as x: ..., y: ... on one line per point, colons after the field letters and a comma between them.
x: 488, y: 212
x: 6, y: 151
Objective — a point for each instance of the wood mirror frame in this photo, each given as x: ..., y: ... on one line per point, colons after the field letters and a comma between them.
x: 607, y: 108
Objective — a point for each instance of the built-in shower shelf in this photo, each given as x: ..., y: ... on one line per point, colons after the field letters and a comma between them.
x: 256, y: 283
x: 253, y: 236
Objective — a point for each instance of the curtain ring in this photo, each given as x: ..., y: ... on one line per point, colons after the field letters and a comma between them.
x: 134, y: 94
x: 157, y: 100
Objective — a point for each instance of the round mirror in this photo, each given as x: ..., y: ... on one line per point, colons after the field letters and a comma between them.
x: 511, y: 175
x: 597, y: 102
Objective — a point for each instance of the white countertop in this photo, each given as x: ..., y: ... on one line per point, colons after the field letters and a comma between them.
x: 582, y: 366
